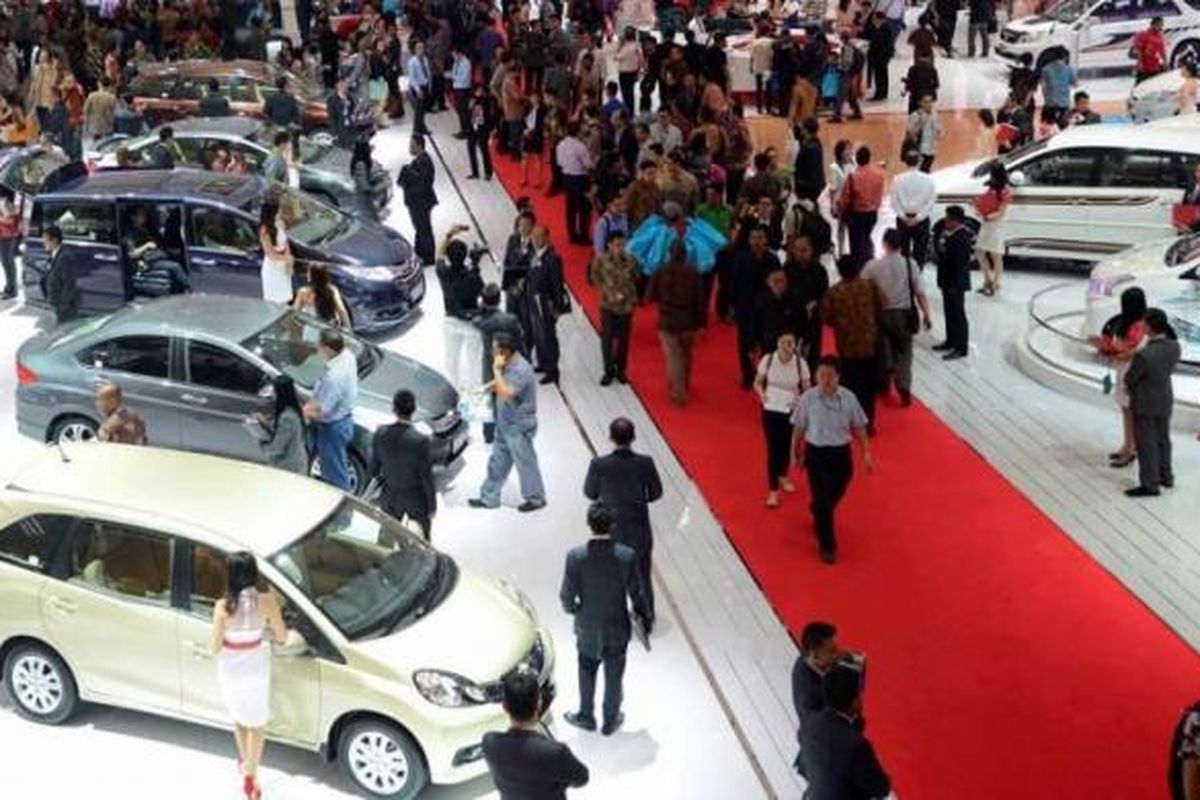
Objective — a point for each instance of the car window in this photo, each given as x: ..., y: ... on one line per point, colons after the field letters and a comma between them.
x: 1141, y: 168
x: 254, y: 156
x: 189, y: 89
x: 1115, y: 11
x: 242, y: 90
x: 216, y: 228
x: 26, y: 175
x: 1060, y: 168
x: 1149, y: 9
x: 208, y: 579
x: 138, y: 355
x: 217, y: 368
x: 32, y: 542
x: 86, y: 222
x: 151, y: 86
x: 121, y: 559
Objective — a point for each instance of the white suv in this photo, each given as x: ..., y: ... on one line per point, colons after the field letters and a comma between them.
x: 1097, y: 34
x: 1089, y: 192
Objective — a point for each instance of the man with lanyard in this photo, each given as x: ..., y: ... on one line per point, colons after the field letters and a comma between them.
x: 420, y: 81
x: 331, y: 409
x: 826, y: 418
x: 913, y: 195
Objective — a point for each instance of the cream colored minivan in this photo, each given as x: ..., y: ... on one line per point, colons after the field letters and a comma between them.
x: 111, y: 558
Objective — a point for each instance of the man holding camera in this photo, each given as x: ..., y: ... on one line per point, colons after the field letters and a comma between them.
x: 525, y: 763
x: 458, y: 274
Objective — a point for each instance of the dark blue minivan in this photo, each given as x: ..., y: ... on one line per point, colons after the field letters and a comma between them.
x: 208, y: 222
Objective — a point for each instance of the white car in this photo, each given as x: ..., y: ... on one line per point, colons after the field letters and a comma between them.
x: 1089, y: 192
x: 1156, y: 98
x: 1168, y: 271
x: 1097, y: 34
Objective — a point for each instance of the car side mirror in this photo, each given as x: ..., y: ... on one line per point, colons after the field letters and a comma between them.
x: 1016, y: 178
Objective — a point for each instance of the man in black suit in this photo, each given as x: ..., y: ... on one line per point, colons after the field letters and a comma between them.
x: 841, y: 763
x: 954, y: 247
x: 337, y: 107
x: 599, y: 576
x: 214, y: 104
x: 518, y: 250
x: 400, y: 458
x: 627, y: 482
x: 1152, y: 399
x: 59, y: 284
x: 416, y: 179
x: 546, y: 291
x: 490, y: 322
x: 818, y: 654
x: 525, y: 763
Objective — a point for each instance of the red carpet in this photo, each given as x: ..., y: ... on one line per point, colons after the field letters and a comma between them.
x: 1005, y: 663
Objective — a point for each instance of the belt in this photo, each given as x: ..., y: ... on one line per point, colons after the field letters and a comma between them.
x: 228, y: 645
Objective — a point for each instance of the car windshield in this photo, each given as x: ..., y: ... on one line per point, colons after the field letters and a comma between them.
x: 290, y: 345
x: 367, y: 572
x: 308, y: 221
x: 306, y: 89
x: 1008, y: 159
x: 1185, y: 250
x: 1067, y: 10
x: 26, y: 174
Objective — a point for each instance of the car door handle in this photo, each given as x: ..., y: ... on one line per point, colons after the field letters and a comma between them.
x: 199, y: 651
x: 106, y: 258
x: 204, y: 262
x: 62, y: 606
x: 194, y: 399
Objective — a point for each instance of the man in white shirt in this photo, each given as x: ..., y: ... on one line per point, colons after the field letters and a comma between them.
x: 913, y: 195
x: 576, y: 165
x: 664, y: 132
x: 905, y: 308
x: 420, y: 82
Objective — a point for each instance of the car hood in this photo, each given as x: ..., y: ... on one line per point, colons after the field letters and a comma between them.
x: 1166, y: 83
x: 957, y: 184
x: 336, y: 161
x: 371, y: 244
x: 435, y: 395
x: 478, y: 632
x: 1147, y: 260
x: 1033, y: 25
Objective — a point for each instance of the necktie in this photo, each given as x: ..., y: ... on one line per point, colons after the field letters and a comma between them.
x: 425, y: 70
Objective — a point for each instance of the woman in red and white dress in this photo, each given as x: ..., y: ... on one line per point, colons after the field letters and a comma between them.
x: 992, y: 206
x: 242, y: 622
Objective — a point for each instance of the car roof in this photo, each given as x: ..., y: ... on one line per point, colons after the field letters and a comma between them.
x: 224, y: 318
x: 258, y: 70
x: 107, y: 183
x: 1153, y: 136
x: 244, y: 127
x: 252, y: 506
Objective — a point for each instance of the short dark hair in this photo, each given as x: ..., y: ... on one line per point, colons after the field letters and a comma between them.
x: 1081, y: 95
x: 893, y: 239
x: 815, y: 634
x: 912, y: 158
x: 332, y: 339
x: 848, y: 267
x: 418, y: 139
x: 281, y: 138
x: 647, y: 164
x: 456, y: 251
x: 956, y: 213
x: 831, y: 362
x: 522, y: 695
x: 53, y: 232
x: 214, y: 85
x: 621, y: 431
x: 281, y: 82
x: 502, y: 341
x: 862, y: 156
x: 761, y: 161
x: 810, y: 125
x: 490, y: 294
x: 166, y: 133
x: 404, y: 403
x: 842, y: 687
x: 600, y: 518
x: 1156, y: 321
x: 613, y: 235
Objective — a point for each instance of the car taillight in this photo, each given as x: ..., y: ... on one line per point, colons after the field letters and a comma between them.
x: 25, y: 376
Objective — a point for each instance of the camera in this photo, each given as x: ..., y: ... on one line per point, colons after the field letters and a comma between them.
x: 856, y: 663
x: 475, y: 255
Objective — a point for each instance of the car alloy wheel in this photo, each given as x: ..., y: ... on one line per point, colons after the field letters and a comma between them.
x: 76, y: 431
x: 1188, y: 52
x: 37, y: 684
x: 378, y: 762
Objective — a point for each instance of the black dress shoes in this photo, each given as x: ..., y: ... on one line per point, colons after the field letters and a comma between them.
x: 937, y: 348
x: 1142, y: 491
x: 548, y: 378
x: 621, y: 379
x: 606, y: 380
x: 580, y: 721
x: 954, y: 354
x: 531, y: 505
x: 478, y: 502
x: 613, y: 725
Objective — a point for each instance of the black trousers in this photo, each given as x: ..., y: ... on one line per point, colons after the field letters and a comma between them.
x: 954, y: 308
x: 861, y: 376
x: 613, y: 659
x: 423, y: 226
x: 614, y: 341
x: 462, y: 102
x: 437, y: 92
x: 760, y: 93
x: 829, y: 471
x: 724, y: 277
x: 859, y: 226
x: 8, y: 254
x: 421, y: 517
x: 747, y: 343
x: 579, y: 208
x: 777, y: 427
x: 915, y: 240
x: 544, y: 323
x: 628, y: 82
x: 1152, y: 433
x: 420, y: 104
x: 877, y: 73
x: 477, y: 148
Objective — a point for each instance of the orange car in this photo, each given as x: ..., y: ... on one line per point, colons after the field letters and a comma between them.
x: 166, y: 92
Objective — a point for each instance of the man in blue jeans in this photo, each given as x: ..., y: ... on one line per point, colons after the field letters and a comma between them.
x: 331, y: 409
x: 515, y: 387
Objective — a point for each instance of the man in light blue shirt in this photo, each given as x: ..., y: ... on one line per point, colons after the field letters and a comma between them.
x: 826, y: 418
x: 331, y: 409
x: 460, y: 83
x: 515, y: 386
x: 1057, y: 81
x: 420, y: 81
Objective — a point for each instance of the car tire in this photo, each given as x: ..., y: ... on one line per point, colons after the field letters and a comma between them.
x: 358, y: 472
x: 382, y: 760
x: 41, y: 686
x: 1186, y: 51
x: 73, y: 428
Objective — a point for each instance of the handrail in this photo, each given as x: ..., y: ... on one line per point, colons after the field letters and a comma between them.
x: 1046, y: 323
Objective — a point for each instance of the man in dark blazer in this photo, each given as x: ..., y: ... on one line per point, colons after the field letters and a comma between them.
x: 599, y: 576
x: 400, y: 458
x: 525, y: 763
x: 514, y: 279
x: 416, y: 179
x: 337, y: 107
x: 954, y: 248
x: 841, y: 763
x: 545, y: 288
x: 627, y: 482
x: 59, y: 285
x: 818, y: 654
x: 1152, y: 399
x: 213, y: 104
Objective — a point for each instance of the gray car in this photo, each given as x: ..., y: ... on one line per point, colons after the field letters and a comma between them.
x: 195, y: 367
x: 323, y: 166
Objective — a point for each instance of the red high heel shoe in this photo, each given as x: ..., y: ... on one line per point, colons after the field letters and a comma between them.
x: 251, y: 788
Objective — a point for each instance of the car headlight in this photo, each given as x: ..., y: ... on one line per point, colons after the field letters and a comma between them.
x: 376, y: 273
x: 423, y: 427
x: 518, y: 597
x: 447, y: 689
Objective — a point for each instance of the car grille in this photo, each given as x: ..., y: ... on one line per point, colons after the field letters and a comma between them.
x: 446, y: 422
x: 534, y: 661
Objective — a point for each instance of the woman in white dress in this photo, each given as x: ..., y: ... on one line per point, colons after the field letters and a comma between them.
x: 277, y: 255
x: 991, y: 206
x: 839, y: 170
x: 241, y: 623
